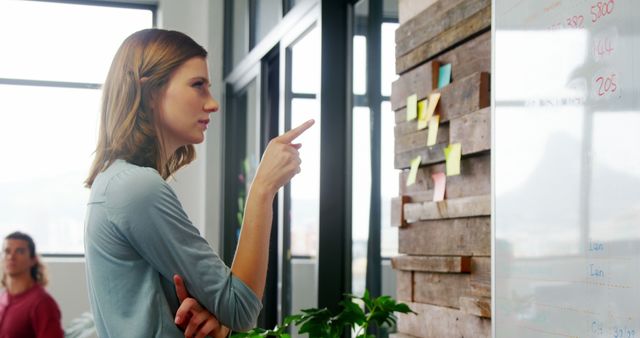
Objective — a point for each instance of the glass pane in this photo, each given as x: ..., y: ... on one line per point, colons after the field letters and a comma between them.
x: 241, y: 161
x: 390, y: 9
x: 240, y: 41
x: 361, y: 197
x: 305, y: 187
x: 306, y: 63
x: 63, y: 42
x: 304, y: 291
x: 388, y: 182
x: 49, y: 149
x: 388, y: 57
x: 269, y: 14
x: 305, y: 210
x: 252, y: 130
x: 361, y: 11
x: 359, y: 65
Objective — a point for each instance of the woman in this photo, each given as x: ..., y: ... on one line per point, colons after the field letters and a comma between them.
x: 156, y: 105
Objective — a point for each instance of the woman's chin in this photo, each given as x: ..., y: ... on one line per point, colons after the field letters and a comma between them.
x: 198, y: 139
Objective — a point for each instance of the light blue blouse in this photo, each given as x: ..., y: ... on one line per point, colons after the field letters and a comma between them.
x: 137, y: 236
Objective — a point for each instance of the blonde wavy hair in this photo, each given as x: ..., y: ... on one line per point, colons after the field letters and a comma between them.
x: 38, y: 271
x: 137, y: 79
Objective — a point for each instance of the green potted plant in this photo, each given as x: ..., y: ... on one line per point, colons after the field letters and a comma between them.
x: 323, y: 323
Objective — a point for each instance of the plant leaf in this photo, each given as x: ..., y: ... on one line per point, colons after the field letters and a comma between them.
x: 403, y: 308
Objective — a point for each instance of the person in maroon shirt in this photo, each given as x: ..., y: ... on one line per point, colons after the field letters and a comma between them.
x: 26, y: 309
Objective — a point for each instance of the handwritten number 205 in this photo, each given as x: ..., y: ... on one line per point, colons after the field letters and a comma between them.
x: 606, y: 84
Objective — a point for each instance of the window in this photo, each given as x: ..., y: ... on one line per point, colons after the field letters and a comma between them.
x: 365, y: 105
x: 389, y: 175
x: 51, y: 70
x: 305, y: 187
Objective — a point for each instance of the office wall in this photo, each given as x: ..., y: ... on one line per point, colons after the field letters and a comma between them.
x: 199, y: 184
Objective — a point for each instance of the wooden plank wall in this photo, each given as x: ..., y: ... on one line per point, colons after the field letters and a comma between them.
x: 444, y: 267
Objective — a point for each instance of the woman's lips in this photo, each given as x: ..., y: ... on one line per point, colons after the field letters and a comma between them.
x: 204, y: 123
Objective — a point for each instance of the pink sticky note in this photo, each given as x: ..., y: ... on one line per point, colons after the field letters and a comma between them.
x: 439, y: 185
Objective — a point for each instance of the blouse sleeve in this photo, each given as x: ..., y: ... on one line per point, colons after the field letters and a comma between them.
x: 149, y: 214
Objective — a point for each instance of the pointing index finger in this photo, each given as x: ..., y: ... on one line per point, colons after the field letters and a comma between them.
x: 292, y: 134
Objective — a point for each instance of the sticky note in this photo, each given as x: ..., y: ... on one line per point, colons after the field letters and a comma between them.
x: 439, y: 185
x: 422, y: 109
x: 433, y: 130
x: 422, y: 114
x: 422, y: 124
x: 413, y: 173
x: 444, y: 75
x: 412, y: 107
x: 452, y: 154
x: 433, y: 103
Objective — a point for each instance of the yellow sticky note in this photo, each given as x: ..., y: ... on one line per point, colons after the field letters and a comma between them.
x: 422, y: 114
x: 415, y: 163
x: 422, y: 109
x: 433, y: 103
x: 433, y: 130
x: 452, y: 155
x: 412, y: 107
x: 422, y: 124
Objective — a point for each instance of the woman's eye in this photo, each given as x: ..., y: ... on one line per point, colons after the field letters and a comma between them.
x: 198, y: 84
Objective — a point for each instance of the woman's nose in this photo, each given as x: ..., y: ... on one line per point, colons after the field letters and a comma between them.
x: 211, y: 106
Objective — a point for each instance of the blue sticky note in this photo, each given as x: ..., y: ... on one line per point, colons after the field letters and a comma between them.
x: 444, y: 76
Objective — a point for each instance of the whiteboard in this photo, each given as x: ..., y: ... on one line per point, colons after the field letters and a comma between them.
x: 566, y: 168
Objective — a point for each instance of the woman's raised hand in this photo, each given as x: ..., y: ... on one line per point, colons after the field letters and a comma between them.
x: 281, y: 161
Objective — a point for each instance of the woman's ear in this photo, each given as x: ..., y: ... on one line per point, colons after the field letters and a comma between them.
x: 144, y: 79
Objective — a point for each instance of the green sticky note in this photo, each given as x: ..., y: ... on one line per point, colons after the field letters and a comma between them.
x: 433, y: 130
x: 444, y: 75
x: 452, y: 155
x: 413, y: 173
x: 412, y: 107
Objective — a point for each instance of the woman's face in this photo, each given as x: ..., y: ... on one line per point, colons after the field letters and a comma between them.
x: 186, y: 104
